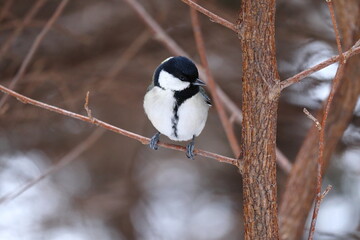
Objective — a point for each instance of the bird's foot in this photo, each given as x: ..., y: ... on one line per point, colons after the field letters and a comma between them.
x: 154, y: 141
x: 190, y: 149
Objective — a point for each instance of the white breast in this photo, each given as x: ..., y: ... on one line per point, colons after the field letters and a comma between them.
x: 192, y: 114
x: 159, y: 105
x: 192, y: 117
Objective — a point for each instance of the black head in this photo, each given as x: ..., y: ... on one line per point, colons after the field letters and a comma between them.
x: 181, y: 68
x: 176, y: 73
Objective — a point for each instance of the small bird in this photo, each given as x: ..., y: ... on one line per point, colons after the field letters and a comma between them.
x: 175, y: 102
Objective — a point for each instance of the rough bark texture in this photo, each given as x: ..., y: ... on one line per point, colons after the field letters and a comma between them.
x: 300, y: 190
x: 260, y: 101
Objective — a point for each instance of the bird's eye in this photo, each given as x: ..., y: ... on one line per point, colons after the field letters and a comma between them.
x: 182, y: 78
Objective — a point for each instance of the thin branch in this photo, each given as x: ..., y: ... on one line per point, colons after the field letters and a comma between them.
x: 283, y: 161
x: 28, y: 17
x: 312, y: 118
x: 316, y: 212
x: 235, y: 146
x: 320, y: 160
x: 213, y: 17
x: 336, y: 30
x: 34, y: 48
x: 86, y: 106
x: 159, y: 33
x: 327, y: 190
x: 320, y: 196
x: 298, y: 77
x: 142, y: 139
x: 357, y: 44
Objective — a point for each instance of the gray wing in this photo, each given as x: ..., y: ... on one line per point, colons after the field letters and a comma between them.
x: 151, y: 86
x: 206, y: 97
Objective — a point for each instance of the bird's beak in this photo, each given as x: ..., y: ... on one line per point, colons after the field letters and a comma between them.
x: 198, y: 82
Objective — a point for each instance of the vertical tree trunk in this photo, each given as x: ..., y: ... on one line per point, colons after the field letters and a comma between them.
x: 300, y: 189
x: 259, y: 105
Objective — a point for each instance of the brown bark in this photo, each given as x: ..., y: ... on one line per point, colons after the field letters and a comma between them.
x: 300, y: 189
x: 260, y: 100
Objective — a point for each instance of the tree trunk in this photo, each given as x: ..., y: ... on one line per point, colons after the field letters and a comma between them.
x: 300, y: 189
x: 259, y: 104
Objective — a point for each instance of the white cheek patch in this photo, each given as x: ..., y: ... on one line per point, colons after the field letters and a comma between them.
x: 168, y: 81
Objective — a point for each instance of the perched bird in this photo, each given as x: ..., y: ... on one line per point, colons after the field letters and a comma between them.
x: 175, y: 102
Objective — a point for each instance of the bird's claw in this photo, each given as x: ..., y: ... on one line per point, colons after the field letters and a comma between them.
x: 190, y: 150
x: 154, y: 141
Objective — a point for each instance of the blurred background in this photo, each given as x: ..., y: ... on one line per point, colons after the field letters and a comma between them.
x: 116, y: 188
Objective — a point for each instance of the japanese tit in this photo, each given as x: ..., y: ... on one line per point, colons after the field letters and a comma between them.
x: 175, y: 102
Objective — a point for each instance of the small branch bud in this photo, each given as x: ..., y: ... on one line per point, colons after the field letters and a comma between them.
x: 309, y: 115
x: 86, y: 106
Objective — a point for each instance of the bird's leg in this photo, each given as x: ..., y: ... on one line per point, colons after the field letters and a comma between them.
x: 190, y: 149
x: 154, y: 141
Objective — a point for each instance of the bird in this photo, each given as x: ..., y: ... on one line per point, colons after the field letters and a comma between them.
x: 176, y: 103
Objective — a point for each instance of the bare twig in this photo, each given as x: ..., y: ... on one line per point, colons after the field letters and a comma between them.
x: 235, y: 146
x: 316, y: 211
x: 86, y: 106
x: 34, y: 48
x: 213, y: 17
x: 309, y: 115
x: 298, y: 77
x: 29, y: 16
x: 336, y: 30
x: 142, y: 139
x: 327, y: 190
x: 159, y: 33
x: 283, y: 161
x: 320, y: 160
x: 357, y: 44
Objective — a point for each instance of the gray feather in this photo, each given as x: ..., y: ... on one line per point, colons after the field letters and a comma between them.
x: 151, y: 86
x: 206, y: 97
